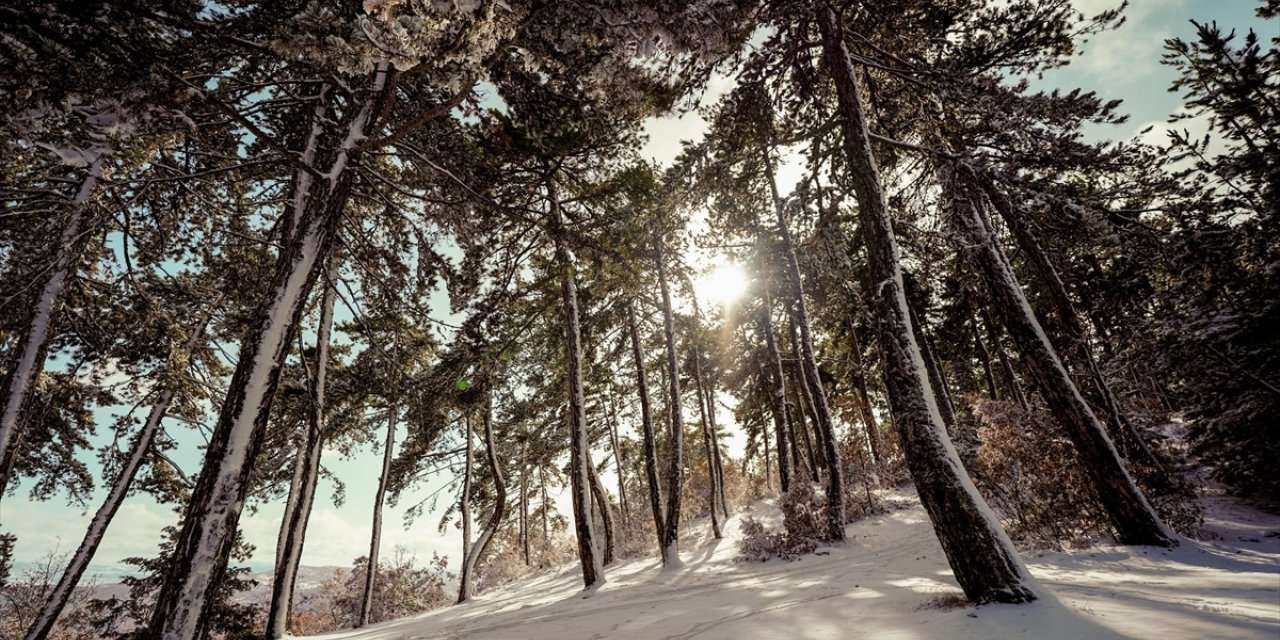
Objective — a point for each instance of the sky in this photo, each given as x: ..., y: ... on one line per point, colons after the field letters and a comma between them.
x: 1123, y: 64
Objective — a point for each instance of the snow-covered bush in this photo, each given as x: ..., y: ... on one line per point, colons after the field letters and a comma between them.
x: 758, y: 544
x: 804, y: 521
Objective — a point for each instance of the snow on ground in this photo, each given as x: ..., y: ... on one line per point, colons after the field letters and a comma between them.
x: 890, y: 580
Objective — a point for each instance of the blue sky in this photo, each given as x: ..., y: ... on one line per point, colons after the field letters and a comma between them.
x: 1122, y: 64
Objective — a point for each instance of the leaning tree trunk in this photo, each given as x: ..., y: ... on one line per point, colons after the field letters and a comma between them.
x: 982, y: 558
x: 646, y: 427
x: 1132, y: 517
x: 208, y: 530
x: 142, y: 444
x: 810, y: 377
x: 579, y: 442
x: 601, y: 501
x: 475, y: 552
x: 777, y: 392
x: 464, y: 503
x: 1120, y: 427
x: 302, y: 491
x: 18, y: 384
x: 499, y: 483
x: 375, y: 538
x: 675, y: 474
x: 712, y: 480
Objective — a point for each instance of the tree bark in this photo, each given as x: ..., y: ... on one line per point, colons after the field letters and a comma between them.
x: 981, y: 556
x: 204, y: 544
x: 375, y: 538
x: 1133, y: 519
x: 646, y: 427
x: 142, y: 443
x: 293, y: 527
x: 579, y: 443
x: 675, y: 473
x: 30, y: 352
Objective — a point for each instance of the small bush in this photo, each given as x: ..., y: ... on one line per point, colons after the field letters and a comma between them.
x: 758, y: 544
x: 804, y: 520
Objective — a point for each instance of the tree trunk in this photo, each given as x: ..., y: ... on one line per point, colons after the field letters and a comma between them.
x: 476, y: 551
x: 1130, y: 515
x: 804, y: 412
x: 715, y: 446
x: 546, y: 511
x: 375, y: 538
x: 1119, y: 427
x: 984, y: 356
x: 712, y: 481
x: 810, y: 377
x: 204, y: 544
x: 993, y: 336
x: 981, y: 556
x: 524, y: 498
x: 798, y: 434
x: 675, y: 474
x: 601, y: 500
x: 464, y: 502
x: 618, y: 465
x: 17, y: 385
x: 142, y: 443
x: 646, y: 427
x: 777, y: 391
x: 864, y: 401
x: 579, y: 461
x: 293, y: 527
x: 804, y: 392
x: 768, y: 473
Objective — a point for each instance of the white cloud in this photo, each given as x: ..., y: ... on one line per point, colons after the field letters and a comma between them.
x: 1134, y: 49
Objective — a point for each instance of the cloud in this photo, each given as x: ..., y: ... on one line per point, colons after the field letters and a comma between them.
x: 1134, y: 49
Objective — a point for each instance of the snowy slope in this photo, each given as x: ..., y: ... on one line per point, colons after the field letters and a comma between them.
x: 891, y: 581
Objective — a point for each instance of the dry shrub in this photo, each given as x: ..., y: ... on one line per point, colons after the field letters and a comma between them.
x: 22, y: 596
x: 861, y: 477
x: 504, y: 562
x: 1030, y: 473
x: 402, y: 588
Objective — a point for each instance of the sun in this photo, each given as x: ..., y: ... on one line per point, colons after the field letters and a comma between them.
x: 724, y: 284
